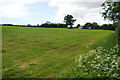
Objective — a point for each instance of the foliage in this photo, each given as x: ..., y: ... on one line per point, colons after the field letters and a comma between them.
x: 108, y: 27
x: 87, y: 25
x: 111, y: 11
x: 77, y: 26
x: 45, y: 25
x: 118, y: 36
x: 102, y: 62
x: 69, y: 20
x: 53, y: 25
x: 29, y: 25
x: 93, y: 25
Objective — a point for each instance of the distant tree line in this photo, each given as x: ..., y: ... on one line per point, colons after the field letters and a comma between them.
x: 45, y: 25
x: 88, y: 25
x: 53, y: 25
x: 94, y: 25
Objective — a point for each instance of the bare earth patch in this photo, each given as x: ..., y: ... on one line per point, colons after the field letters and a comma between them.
x: 34, y: 63
x: 23, y: 66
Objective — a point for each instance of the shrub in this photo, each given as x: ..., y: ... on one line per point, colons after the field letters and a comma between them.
x: 101, y: 62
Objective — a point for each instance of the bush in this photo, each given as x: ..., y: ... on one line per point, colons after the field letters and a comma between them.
x: 100, y: 62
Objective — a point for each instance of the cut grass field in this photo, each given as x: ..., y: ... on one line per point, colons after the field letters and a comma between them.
x: 46, y: 52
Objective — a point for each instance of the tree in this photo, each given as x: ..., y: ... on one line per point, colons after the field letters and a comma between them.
x: 69, y: 20
x: 28, y: 25
x: 112, y: 12
x: 108, y: 26
x: 38, y: 25
x: 78, y: 26
x: 95, y: 25
x: 87, y: 25
x: 53, y: 25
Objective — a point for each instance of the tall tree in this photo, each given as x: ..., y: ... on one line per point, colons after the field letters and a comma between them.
x: 112, y: 12
x: 69, y: 20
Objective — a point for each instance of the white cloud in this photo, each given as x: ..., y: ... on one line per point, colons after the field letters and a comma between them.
x: 15, y: 8
x: 83, y: 10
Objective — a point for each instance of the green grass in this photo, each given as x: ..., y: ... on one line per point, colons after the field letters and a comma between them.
x: 46, y: 52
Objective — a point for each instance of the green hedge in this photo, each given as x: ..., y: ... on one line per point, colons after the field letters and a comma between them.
x: 118, y: 35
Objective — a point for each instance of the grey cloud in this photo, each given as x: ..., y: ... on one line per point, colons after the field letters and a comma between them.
x: 88, y: 4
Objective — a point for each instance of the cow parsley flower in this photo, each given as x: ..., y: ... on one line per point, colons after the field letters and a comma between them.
x: 102, y: 60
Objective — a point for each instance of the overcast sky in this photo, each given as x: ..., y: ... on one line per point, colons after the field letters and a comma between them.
x: 39, y: 11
